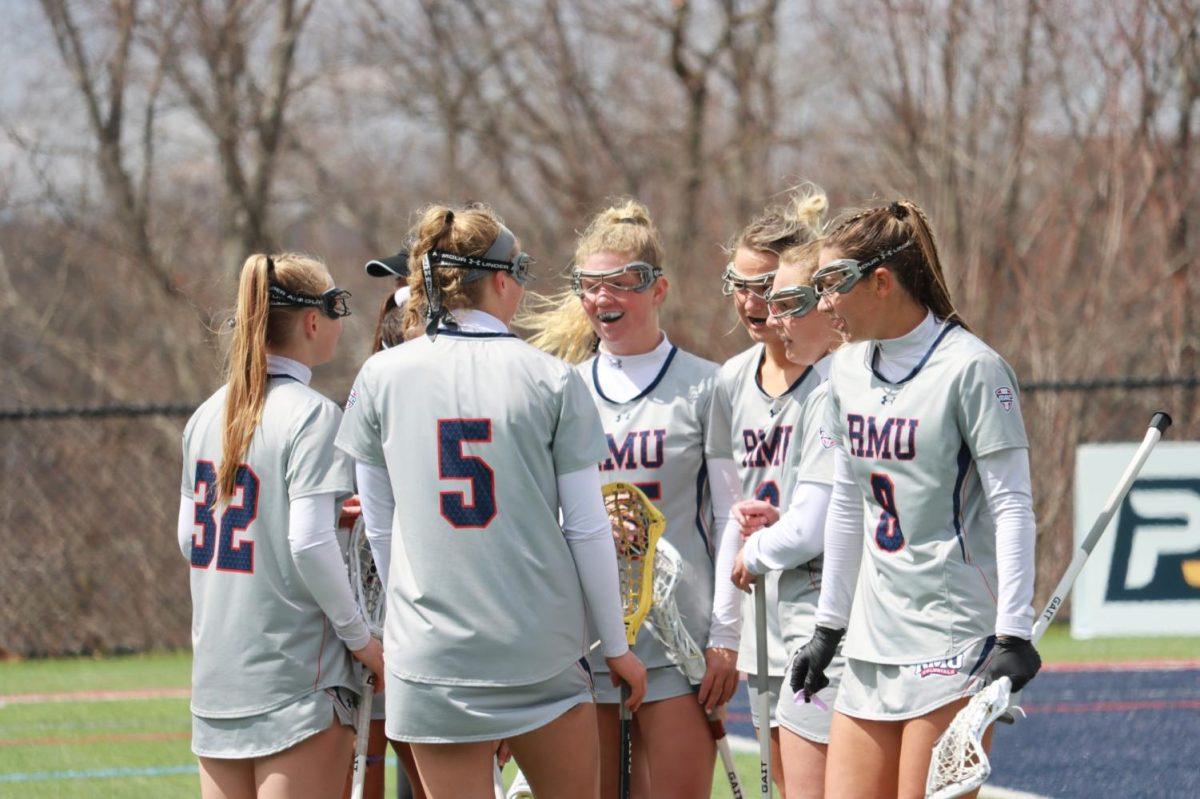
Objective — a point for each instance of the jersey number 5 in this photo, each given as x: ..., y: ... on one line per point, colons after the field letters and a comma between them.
x: 888, y: 535
x: 232, y: 555
x: 454, y: 465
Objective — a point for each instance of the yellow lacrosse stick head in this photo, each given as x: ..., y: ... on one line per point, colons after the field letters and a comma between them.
x: 636, y: 527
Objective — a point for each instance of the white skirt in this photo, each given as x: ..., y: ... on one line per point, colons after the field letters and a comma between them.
x: 275, y: 730
x: 889, y: 692
x: 775, y: 689
x: 427, y: 713
x: 664, y: 682
x: 807, y: 719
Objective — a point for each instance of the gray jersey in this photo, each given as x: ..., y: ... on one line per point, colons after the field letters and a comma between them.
x: 473, y: 429
x: 656, y: 441
x: 760, y: 433
x: 928, y: 581
x: 259, y: 638
x: 812, y: 458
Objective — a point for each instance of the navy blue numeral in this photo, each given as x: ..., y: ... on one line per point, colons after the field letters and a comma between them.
x: 888, y: 535
x: 232, y: 555
x: 454, y: 465
x: 769, y: 492
x: 653, y: 491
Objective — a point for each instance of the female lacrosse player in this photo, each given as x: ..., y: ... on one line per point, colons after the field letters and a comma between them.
x: 483, y: 440
x: 756, y: 408
x: 929, y: 439
x: 389, y: 331
x: 653, y: 399
x: 793, y: 543
x: 261, y: 481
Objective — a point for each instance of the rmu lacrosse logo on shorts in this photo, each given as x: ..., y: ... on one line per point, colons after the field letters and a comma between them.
x: 1005, y: 395
x: 352, y: 399
x: 946, y: 667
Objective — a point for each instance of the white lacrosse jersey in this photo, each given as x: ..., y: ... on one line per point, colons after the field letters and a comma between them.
x: 655, y: 440
x: 259, y: 638
x: 927, y: 585
x: 760, y: 433
x: 474, y: 428
x: 811, y: 460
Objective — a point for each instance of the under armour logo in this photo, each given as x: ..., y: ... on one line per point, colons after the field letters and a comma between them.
x: 887, y: 398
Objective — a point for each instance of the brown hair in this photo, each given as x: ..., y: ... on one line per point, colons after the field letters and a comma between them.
x: 804, y: 257
x: 558, y: 323
x: 389, y: 327
x: 867, y: 233
x: 466, y: 230
x: 256, y: 325
x: 781, y: 227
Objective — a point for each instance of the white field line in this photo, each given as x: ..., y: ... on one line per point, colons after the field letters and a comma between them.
x: 95, y: 696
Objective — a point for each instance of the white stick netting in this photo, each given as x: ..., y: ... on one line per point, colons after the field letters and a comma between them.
x: 664, y: 620
x: 960, y: 764
x: 364, y: 578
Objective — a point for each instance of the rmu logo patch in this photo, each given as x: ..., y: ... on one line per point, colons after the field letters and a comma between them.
x: 946, y: 667
x: 352, y: 399
x: 827, y: 441
x: 1005, y: 395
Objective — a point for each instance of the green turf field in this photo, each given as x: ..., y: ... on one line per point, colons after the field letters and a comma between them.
x: 139, y: 747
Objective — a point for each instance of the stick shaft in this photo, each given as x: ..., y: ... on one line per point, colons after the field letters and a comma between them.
x: 626, y: 773
x: 361, y: 733
x: 735, y: 782
x: 1098, y: 527
x: 763, y: 681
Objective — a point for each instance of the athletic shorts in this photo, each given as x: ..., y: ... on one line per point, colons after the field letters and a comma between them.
x: 889, y: 692
x: 775, y: 686
x: 807, y: 719
x: 663, y: 682
x: 419, y: 712
x: 274, y: 731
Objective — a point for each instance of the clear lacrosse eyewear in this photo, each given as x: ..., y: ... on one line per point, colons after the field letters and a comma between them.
x: 333, y: 303
x: 843, y: 274
x: 758, y: 285
x: 636, y: 277
x: 794, y: 301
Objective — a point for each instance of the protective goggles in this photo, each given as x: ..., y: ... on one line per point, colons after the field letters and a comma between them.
x: 758, y: 285
x: 332, y: 303
x: 636, y: 277
x: 518, y: 267
x: 792, y: 301
x: 843, y: 274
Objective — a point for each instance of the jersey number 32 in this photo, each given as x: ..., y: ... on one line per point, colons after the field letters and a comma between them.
x: 232, y: 555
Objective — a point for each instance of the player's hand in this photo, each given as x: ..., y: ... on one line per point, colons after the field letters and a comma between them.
x: 741, y: 576
x: 720, y: 677
x: 1016, y: 659
x: 809, y: 664
x: 628, y: 669
x: 351, y: 510
x: 754, y: 514
x: 371, y: 656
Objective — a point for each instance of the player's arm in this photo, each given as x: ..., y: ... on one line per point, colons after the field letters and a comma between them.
x: 725, y: 625
x: 798, y: 536
x: 187, y: 523
x: 378, y: 510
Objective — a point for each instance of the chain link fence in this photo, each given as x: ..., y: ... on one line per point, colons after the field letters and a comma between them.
x: 88, y: 554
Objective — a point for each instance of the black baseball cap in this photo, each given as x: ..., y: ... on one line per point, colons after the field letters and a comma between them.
x: 393, y: 266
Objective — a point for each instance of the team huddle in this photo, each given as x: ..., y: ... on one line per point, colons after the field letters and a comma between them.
x: 863, y: 465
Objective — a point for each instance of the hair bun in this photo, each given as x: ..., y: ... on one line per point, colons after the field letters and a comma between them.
x: 629, y: 220
x: 898, y: 210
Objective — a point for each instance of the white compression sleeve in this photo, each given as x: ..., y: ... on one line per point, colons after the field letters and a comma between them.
x: 187, y: 523
x: 378, y: 508
x: 843, y: 546
x: 589, y: 536
x: 798, y: 536
x: 1009, y: 491
x: 312, y: 538
x: 725, y: 625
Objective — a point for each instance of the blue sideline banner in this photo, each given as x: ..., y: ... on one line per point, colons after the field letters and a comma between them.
x: 1143, y: 578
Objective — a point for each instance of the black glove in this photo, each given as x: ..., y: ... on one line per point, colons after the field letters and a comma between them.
x: 1016, y: 659
x: 811, y: 660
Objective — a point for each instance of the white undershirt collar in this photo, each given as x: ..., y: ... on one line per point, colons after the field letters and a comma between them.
x: 279, y: 365
x: 623, y: 377
x: 898, y: 356
x: 473, y: 320
x: 821, y: 367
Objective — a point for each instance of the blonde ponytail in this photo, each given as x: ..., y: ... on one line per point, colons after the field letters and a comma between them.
x: 780, y: 227
x: 255, y: 325
x: 558, y: 325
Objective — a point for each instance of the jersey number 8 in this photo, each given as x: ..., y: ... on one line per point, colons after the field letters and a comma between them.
x: 888, y: 535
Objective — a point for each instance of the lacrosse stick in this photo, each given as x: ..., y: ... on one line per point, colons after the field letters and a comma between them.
x: 763, y: 682
x: 959, y: 763
x: 371, y: 599
x: 666, y: 625
x: 636, y: 527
